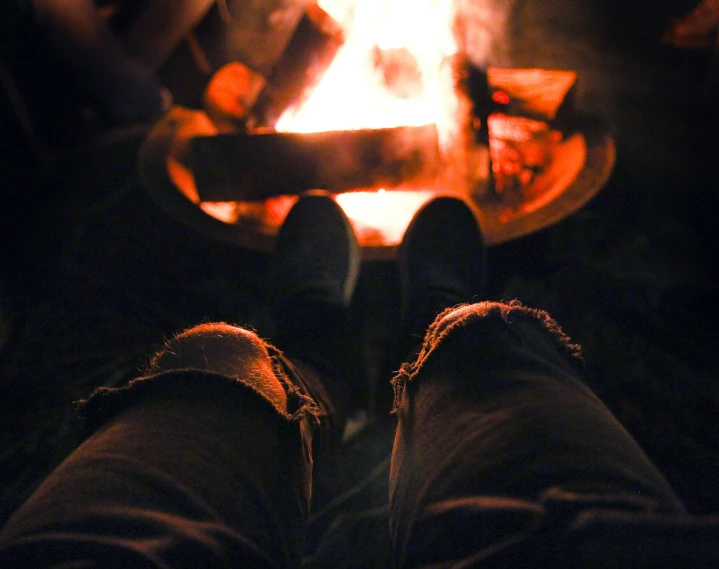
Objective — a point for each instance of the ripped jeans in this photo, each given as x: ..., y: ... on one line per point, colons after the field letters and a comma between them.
x: 502, y: 456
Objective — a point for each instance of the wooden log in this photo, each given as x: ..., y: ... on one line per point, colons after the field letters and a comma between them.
x: 230, y: 94
x: 308, y: 54
x: 256, y: 166
x: 532, y: 93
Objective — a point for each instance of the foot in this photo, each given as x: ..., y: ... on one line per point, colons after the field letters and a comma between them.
x: 314, y: 271
x: 442, y: 263
x: 316, y: 256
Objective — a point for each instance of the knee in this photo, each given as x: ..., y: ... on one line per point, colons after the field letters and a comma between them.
x: 215, y: 347
x: 216, y: 334
x: 465, y: 316
x: 484, y: 310
x: 501, y: 328
x: 221, y: 348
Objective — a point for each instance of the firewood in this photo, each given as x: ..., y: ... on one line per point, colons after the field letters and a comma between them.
x: 256, y: 166
x: 229, y: 95
x: 308, y: 54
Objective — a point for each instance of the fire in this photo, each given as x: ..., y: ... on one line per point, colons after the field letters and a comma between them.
x: 380, y: 218
x: 394, y: 69
x: 382, y: 64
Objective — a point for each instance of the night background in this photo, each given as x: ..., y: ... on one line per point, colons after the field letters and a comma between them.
x: 93, y: 275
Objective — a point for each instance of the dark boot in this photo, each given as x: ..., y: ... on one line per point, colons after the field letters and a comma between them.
x: 442, y: 263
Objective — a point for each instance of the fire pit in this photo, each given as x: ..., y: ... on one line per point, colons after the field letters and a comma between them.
x: 385, y: 127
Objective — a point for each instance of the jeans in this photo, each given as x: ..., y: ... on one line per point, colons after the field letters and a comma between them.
x: 502, y: 456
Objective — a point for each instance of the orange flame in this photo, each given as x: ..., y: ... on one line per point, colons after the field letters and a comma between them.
x: 396, y: 68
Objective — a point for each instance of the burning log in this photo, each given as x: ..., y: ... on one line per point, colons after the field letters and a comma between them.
x: 532, y: 93
x: 230, y: 94
x: 524, y: 125
x: 260, y: 165
x: 308, y: 54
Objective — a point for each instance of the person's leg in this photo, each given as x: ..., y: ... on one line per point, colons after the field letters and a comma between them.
x: 499, y: 443
x: 314, y: 272
x: 207, y: 460
x: 204, y: 462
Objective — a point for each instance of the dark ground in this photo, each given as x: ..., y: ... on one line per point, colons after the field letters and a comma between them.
x: 94, y: 275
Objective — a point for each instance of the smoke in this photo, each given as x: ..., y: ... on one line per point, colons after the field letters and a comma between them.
x: 483, y: 31
x: 257, y: 31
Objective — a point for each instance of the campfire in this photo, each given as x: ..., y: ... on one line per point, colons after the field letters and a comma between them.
x: 377, y: 102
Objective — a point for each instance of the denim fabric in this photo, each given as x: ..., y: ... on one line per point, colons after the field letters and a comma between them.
x: 493, y: 418
x: 502, y: 457
x: 183, y: 468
